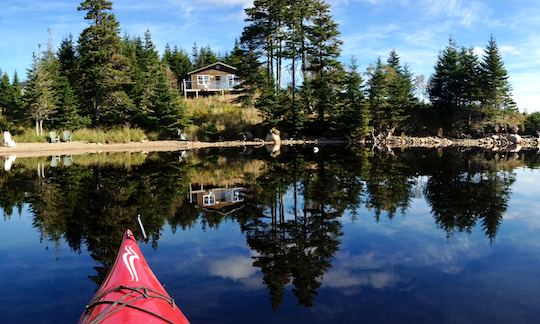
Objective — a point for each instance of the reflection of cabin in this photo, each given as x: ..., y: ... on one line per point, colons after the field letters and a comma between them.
x: 214, y: 198
x: 213, y: 78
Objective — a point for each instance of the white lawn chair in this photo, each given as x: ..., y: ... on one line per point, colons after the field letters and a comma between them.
x: 8, y: 162
x: 8, y: 141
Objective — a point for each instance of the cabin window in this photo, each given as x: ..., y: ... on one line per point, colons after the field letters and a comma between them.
x: 230, y: 79
x: 203, y: 79
x: 209, y: 200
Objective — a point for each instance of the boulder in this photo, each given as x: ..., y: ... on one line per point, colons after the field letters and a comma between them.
x: 273, y: 136
x: 514, y: 138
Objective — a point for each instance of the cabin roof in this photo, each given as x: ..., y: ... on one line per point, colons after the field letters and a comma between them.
x: 211, y: 65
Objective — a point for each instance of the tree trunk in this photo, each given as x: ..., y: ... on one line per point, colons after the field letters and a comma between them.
x: 37, y: 127
x: 41, y: 127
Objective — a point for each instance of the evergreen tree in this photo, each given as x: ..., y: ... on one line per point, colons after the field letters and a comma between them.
x: 168, y: 108
x: 444, y: 89
x: 377, y: 91
x: 400, y: 90
x: 102, y: 66
x: 133, y: 51
x: 67, y: 56
x: 41, y: 98
x: 150, y: 64
x: 496, y: 90
x: 323, y: 52
x: 179, y: 63
x: 251, y: 73
x: 16, y: 114
x: 6, y: 91
x: 468, y: 79
x: 354, y: 116
x: 233, y: 59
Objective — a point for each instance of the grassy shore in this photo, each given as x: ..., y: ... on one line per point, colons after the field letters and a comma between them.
x: 217, y: 117
x: 110, y: 136
x: 212, y: 118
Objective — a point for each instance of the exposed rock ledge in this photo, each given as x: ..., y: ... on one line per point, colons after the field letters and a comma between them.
x: 495, y: 142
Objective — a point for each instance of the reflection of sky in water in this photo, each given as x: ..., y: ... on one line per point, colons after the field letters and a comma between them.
x: 400, y: 270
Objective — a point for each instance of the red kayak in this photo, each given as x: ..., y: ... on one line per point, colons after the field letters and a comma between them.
x: 131, y: 292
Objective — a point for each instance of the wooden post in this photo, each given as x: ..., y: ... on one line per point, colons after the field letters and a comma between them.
x: 184, y: 88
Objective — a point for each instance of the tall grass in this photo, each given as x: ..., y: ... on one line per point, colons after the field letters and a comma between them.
x: 216, y: 117
x: 114, y: 135
x: 28, y: 135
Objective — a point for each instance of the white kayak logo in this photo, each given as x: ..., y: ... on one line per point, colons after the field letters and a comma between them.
x: 129, y: 259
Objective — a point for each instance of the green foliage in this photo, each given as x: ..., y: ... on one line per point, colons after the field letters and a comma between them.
x: 495, y: 89
x: 102, y: 66
x: 168, y: 109
x: 468, y: 93
x: 203, y: 56
x: 532, y: 124
x: 353, y: 116
x: 41, y: 94
x: 178, y: 61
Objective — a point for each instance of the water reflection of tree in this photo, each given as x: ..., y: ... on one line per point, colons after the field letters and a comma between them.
x: 389, y: 185
x: 295, y: 243
x: 464, y: 191
x: 93, y: 205
x: 292, y: 211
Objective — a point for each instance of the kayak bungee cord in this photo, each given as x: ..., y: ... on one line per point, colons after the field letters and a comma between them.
x: 142, y: 290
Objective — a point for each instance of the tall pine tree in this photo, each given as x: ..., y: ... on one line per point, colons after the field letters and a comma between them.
x: 103, y: 68
x: 496, y: 91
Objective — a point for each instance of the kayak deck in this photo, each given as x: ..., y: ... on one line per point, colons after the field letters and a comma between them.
x: 131, y: 292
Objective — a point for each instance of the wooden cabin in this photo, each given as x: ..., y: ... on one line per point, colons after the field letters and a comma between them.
x: 214, y: 78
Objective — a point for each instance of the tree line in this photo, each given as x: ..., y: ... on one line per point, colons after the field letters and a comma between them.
x: 102, y: 80
x: 292, y: 71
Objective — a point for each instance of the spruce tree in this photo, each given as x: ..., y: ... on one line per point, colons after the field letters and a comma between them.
x: 16, y: 114
x: 323, y: 52
x: 400, y: 90
x: 354, y: 116
x: 179, y: 62
x: 377, y: 91
x: 6, y: 91
x: 40, y: 97
x: 103, y: 68
x: 68, y: 59
x: 444, y: 88
x: 168, y: 110
x: 251, y: 73
x: 496, y: 91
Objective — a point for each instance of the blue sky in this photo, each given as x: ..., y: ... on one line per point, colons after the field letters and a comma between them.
x: 417, y: 29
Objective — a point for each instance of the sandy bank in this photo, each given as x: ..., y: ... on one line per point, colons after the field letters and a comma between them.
x: 77, y: 148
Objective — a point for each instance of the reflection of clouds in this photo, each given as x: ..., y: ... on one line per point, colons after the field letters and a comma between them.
x: 344, y: 278
x: 238, y: 268
x: 376, y: 268
x: 234, y: 267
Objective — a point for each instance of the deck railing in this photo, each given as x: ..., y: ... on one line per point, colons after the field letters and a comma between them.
x: 213, y: 85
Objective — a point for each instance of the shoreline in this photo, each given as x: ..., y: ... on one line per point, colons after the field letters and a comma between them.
x: 80, y: 148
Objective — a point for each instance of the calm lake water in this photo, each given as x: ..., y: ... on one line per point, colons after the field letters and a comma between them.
x: 347, y: 236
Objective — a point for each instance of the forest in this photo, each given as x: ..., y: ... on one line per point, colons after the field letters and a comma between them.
x: 290, y: 62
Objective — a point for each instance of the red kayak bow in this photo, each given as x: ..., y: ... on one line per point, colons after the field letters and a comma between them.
x: 131, y: 292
